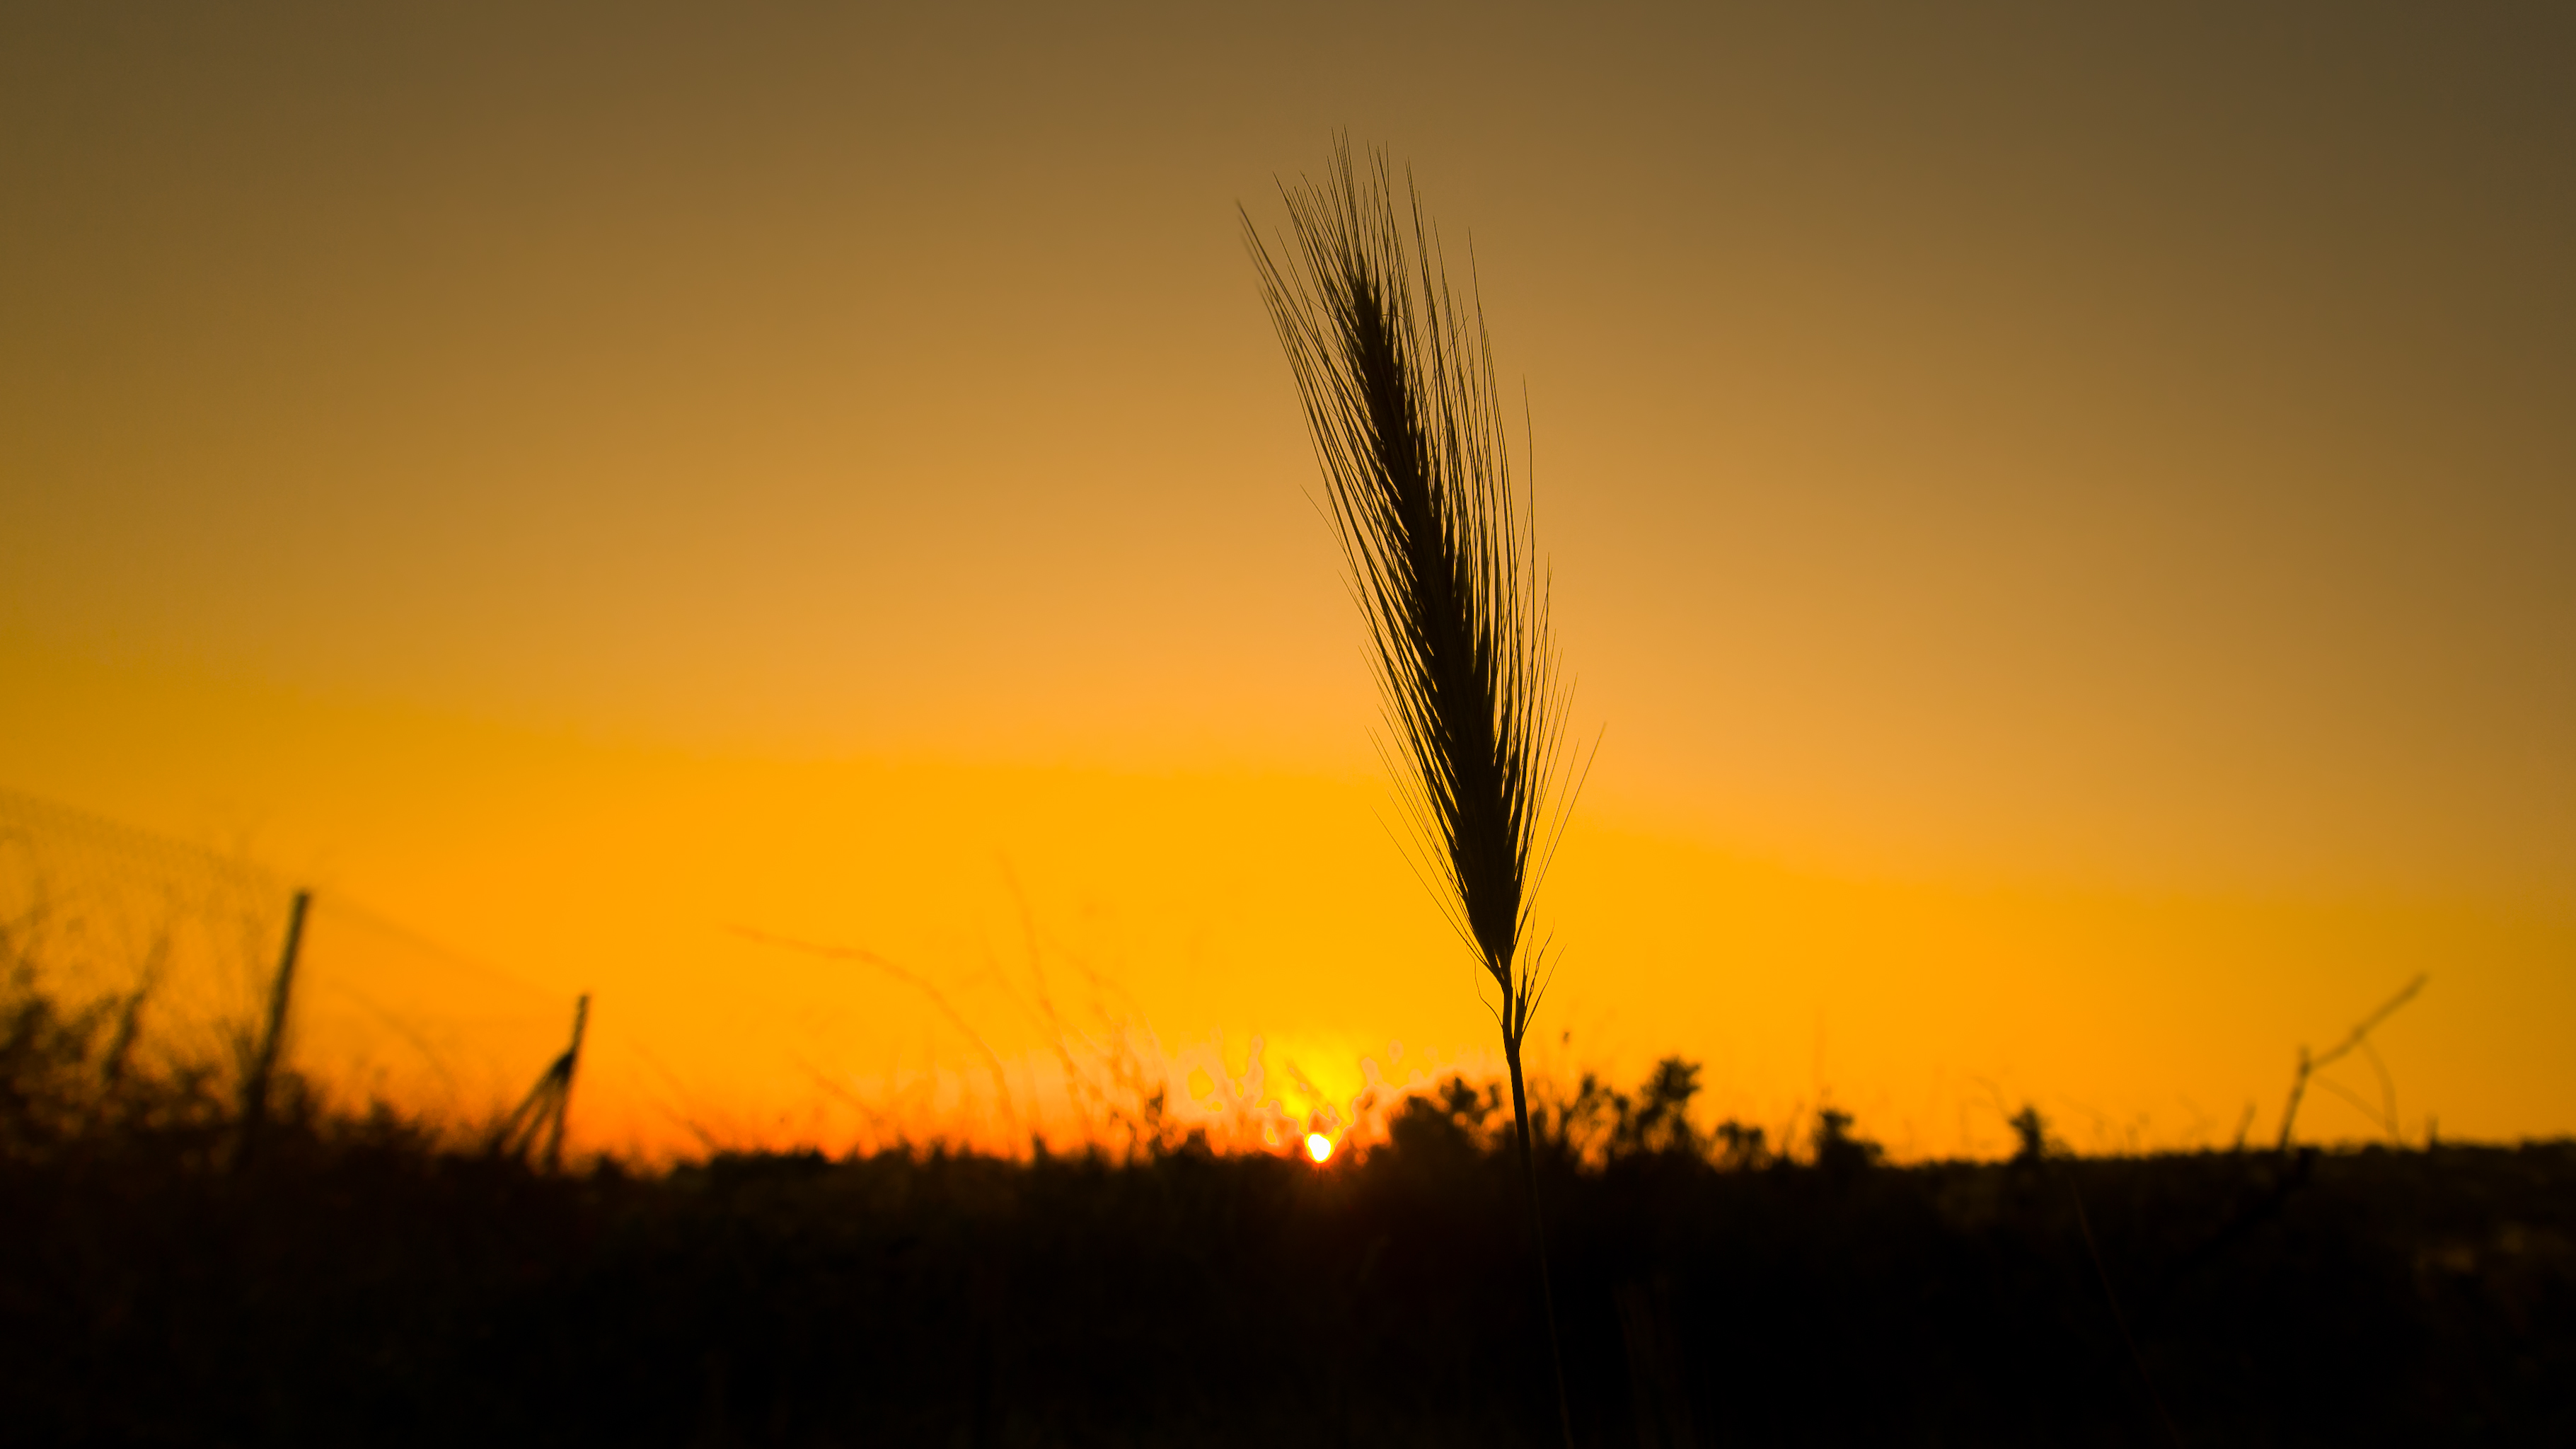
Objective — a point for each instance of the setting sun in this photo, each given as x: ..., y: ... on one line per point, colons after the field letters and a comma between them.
x: 1318, y: 1146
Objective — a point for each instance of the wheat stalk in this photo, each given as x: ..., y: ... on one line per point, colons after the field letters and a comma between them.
x: 1397, y: 380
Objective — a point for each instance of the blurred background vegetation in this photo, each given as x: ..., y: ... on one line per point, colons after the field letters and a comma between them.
x: 365, y: 1276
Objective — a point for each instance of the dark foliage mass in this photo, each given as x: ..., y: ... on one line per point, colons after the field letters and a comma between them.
x: 353, y: 1282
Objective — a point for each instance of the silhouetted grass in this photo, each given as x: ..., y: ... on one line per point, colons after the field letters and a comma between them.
x: 1396, y: 376
x: 360, y: 1282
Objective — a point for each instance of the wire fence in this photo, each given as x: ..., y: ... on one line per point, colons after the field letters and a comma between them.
x: 186, y: 941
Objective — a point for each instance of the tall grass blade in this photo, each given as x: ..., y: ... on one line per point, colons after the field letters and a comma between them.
x: 1396, y: 375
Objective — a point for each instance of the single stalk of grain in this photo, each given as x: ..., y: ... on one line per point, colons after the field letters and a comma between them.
x: 1397, y: 378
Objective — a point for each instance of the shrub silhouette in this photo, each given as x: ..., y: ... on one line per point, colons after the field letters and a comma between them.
x: 1740, y: 1147
x: 1837, y: 1149
x: 2031, y: 1142
x: 1657, y: 1120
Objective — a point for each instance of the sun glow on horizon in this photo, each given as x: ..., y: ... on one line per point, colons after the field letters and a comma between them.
x: 1319, y: 1147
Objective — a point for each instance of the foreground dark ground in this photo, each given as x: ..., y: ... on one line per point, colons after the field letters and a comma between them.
x: 351, y: 1284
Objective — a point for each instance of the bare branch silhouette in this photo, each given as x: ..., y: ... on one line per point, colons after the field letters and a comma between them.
x: 2356, y: 1040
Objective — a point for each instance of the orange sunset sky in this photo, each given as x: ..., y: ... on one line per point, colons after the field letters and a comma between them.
x: 2065, y: 520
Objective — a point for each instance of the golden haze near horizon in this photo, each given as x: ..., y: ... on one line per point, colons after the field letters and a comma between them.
x: 2065, y: 519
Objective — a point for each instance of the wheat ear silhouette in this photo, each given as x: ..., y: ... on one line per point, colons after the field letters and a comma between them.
x: 1397, y: 380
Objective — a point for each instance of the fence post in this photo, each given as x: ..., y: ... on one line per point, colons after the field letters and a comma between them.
x: 281, y: 992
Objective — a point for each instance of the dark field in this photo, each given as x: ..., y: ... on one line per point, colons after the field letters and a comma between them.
x: 351, y: 1283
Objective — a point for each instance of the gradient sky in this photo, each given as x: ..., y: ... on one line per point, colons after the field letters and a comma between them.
x: 2067, y: 520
